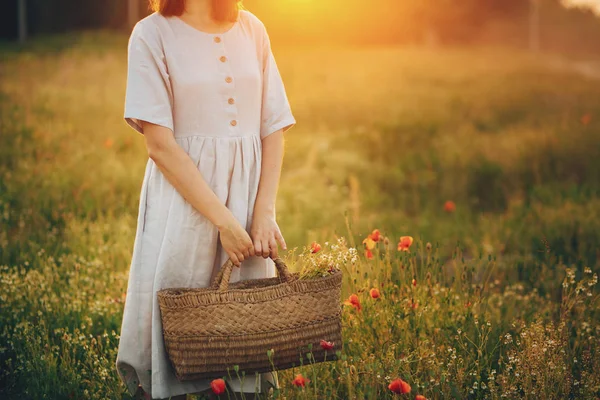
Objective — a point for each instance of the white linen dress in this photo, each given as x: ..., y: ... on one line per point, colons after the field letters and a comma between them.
x: 220, y: 95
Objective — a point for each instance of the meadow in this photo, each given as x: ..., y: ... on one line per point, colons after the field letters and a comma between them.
x: 488, y: 157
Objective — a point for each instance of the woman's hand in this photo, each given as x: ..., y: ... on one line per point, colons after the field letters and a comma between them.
x: 236, y: 241
x: 265, y: 234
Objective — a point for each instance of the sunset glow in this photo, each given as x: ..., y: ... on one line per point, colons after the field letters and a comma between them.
x: 593, y: 4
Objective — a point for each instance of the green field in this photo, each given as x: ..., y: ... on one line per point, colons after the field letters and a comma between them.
x: 505, y: 303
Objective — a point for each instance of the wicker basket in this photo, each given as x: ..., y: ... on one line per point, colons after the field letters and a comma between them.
x: 209, y: 330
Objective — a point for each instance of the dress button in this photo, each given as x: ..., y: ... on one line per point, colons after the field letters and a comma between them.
x: 233, y: 122
x: 217, y: 39
x: 223, y: 58
x: 231, y: 101
x: 228, y: 79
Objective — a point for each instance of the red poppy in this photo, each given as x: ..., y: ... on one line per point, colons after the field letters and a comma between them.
x: 414, y: 282
x: 368, y: 254
x: 586, y: 119
x: 299, y: 380
x: 369, y: 243
x: 374, y: 293
x: 325, y: 345
x: 414, y: 305
x: 218, y: 386
x: 353, y: 301
x: 420, y: 397
x: 314, y: 247
x: 404, y: 243
x: 449, y: 206
x: 399, y: 386
x: 375, y: 235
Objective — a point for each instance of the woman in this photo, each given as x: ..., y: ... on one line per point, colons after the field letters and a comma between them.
x: 204, y: 90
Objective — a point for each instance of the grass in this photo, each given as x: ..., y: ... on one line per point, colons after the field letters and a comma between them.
x: 504, y: 305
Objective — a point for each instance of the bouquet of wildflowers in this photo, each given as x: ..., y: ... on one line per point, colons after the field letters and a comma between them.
x: 319, y: 261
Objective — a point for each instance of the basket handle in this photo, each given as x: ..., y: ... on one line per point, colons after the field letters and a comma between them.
x: 221, y: 281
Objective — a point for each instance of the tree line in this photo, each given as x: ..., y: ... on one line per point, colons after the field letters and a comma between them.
x: 353, y: 21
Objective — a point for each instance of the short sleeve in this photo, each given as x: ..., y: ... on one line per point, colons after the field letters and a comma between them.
x: 276, y: 113
x: 148, y: 94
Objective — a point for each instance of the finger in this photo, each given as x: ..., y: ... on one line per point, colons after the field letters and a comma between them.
x: 240, y: 256
x: 258, y: 248
x: 265, y: 248
x: 246, y: 253
x: 234, y: 259
x: 273, y: 247
x: 281, y: 240
x: 251, y: 249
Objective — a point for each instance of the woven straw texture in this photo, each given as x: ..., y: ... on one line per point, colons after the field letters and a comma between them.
x: 209, y: 330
